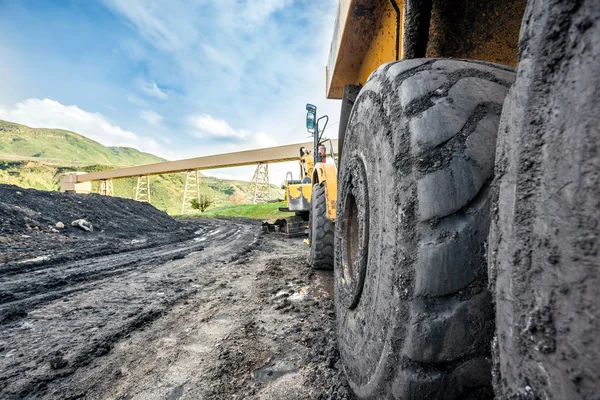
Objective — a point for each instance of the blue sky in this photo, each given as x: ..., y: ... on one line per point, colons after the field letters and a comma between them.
x: 175, y: 78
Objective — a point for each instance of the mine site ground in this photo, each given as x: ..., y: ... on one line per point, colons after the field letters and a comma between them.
x: 148, y: 307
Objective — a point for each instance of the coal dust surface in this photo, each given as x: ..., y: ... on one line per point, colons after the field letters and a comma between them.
x: 146, y: 306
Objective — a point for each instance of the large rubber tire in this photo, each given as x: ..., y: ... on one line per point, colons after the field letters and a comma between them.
x: 414, y: 315
x: 321, y: 231
x: 544, y: 241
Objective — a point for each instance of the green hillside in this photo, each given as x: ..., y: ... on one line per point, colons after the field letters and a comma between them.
x: 60, y: 147
x: 37, y: 158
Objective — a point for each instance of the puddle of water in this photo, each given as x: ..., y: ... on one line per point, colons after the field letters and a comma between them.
x: 134, y: 241
x: 200, y: 239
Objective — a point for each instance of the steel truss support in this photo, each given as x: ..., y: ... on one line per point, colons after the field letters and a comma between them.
x: 142, y: 190
x: 191, y: 191
x: 261, y: 185
x: 106, y: 187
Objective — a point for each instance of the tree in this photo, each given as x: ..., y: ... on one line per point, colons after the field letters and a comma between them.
x: 202, y: 203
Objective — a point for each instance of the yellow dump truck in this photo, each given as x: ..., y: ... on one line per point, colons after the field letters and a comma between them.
x: 467, y: 247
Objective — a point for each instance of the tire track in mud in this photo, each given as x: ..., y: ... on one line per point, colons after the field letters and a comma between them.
x: 61, y: 317
x: 27, y: 290
x: 260, y: 328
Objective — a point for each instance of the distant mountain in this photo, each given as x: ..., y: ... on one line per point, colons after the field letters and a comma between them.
x: 37, y: 158
x: 61, y: 147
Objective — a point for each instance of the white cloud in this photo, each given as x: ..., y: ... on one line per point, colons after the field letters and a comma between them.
x: 151, y: 117
x: 48, y: 113
x: 150, y: 20
x: 173, y: 25
x: 204, y: 126
x: 264, y: 140
x: 150, y: 88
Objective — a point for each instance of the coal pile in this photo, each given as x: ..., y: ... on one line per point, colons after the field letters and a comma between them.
x: 23, y: 210
x: 47, y: 227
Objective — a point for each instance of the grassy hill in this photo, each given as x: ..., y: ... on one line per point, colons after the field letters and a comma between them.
x: 60, y: 147
x: 37, y: 158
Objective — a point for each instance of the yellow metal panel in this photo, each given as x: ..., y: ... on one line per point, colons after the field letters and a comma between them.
x: 304, y: 190
x: 298, y: 197
x: 357, y: 23
x: 307, y: 191
x: 334, y: 71
x: 383, y: 46
x: 331, y: 193
x: 327, y: 173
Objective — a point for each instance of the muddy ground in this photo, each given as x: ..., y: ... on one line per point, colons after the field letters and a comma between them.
x: 146, y: 307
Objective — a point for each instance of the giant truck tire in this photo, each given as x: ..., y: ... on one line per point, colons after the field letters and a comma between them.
x: 414, y: 314
x: 544, y: 241
x: 321, y: 231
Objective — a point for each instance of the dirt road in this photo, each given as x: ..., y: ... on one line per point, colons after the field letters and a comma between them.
x: 227, y: 312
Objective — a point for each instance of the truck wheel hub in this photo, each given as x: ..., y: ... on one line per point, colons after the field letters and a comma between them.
x: 355, y: 231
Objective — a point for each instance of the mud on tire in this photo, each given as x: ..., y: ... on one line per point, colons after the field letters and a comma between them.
x: 321, y: 231
x: 544, y: 241
x: 415, y: 318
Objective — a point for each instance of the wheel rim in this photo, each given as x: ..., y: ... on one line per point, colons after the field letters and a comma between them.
x: 350, y: 230
x: 355, y: 231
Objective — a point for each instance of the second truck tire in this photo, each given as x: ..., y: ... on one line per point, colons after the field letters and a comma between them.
x: 415, y: 317
x: 321, y: 231
x: 544, y: 243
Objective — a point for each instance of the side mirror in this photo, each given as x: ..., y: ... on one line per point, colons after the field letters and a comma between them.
x: 311, y: 117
